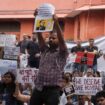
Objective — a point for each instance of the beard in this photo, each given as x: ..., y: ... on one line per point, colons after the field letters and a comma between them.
x: 53, y: 45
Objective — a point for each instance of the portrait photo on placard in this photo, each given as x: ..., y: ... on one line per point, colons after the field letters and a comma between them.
x: 43, y: 24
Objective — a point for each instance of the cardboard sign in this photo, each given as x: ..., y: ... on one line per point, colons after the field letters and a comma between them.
x: 27, y: 75
x: 87, y: 85
x: 11, y: 52
x: 43, y: 24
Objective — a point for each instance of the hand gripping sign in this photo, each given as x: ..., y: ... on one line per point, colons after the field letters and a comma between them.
x: 44, y: 21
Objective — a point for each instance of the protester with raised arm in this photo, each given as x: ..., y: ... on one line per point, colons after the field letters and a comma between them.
x: 53, y: 59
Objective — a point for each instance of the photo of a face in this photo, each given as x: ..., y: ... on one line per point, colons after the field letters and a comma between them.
x: 43, y: 24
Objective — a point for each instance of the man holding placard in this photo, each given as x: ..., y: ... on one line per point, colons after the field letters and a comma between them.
x: 78, y: 50
x: 92, y: 55
x: 53, y: 59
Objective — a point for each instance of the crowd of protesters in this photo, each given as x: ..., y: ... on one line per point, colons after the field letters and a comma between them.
x: 50, y: 84
x: 31, y: 48
x: 12, y: 93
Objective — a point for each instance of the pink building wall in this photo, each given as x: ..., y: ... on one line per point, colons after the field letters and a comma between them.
x: 26, y: 27
x: 82, y: 26
x: 87, y: 25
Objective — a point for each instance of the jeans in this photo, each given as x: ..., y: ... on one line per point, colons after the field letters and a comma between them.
x: 48, y: 96
x: 80, y: 67
x: 94, y: 68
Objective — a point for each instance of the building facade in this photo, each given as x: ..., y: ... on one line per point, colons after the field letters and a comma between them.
x: 79, y: 19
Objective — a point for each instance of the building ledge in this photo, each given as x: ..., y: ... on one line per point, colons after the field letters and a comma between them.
x: 85, y: 8
x: 25, y: 16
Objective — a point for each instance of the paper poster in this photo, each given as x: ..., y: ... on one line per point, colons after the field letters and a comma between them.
x: 23, y: 61
x: 10, y: 40
x: 11, y: 52
x: 43, y: 24
x: 44, y: 21
x: 46, y: 9
x: 27, y: 75
x: 71, y: 58
x: 3, y: 70
x: 69, y: 67
x: 11, y: 64
x: 87, y: 85
x: 70, y: 63
x: 2, y: 40
x: 7, y: 65
x: 7, y: 40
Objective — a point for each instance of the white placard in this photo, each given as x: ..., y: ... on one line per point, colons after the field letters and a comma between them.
x: 10, y: 40
x: 23, y: 61
x: 43, y: 24
x: 27, y: 75
x: 70, y: 63
x: 46, y: 9
x: 87, y: 85
x: 11, y: 52
x: 7, y: 40
x: 2, y: 40
x: 3, y: 70
x: 8, y: 63
x: 71, y: 58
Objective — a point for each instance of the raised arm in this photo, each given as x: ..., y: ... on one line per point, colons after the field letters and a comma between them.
x: 41, y: 41
x: 57, y: 27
